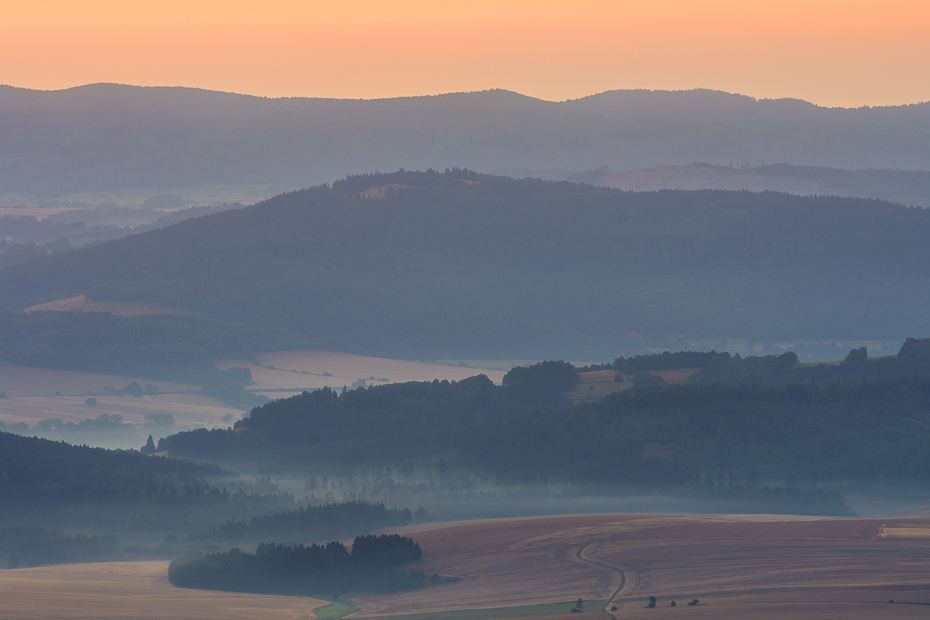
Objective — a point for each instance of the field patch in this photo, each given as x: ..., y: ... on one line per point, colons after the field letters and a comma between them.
x: 118, y: 590
x: 187, y: 409
x: 120, y: 308
x: 285, y: 373
x: 27, y: 381
x: 906, y: 531
x: 737, y: 566
x: 597, y: 384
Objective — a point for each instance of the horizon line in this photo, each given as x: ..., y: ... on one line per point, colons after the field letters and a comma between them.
x: 463, y: 92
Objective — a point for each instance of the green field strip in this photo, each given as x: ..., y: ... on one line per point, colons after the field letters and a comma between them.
x: 337, y: 609
x: 548, y: 609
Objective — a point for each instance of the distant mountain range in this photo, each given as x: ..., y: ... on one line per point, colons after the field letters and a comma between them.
x: 109, y: 137
x: 459, y: 265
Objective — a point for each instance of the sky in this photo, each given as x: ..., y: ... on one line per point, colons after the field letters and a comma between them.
x: 845, y: 53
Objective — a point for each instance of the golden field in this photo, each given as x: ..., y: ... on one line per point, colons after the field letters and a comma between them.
x: 139, y: 590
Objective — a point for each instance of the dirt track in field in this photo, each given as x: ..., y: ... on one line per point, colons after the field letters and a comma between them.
x: 754, y: 566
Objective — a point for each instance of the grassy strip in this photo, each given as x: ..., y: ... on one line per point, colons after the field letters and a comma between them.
x: 498, y: 612
x: 336, y: 609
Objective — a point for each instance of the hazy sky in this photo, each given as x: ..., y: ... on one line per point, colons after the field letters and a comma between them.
x: 831, y: 52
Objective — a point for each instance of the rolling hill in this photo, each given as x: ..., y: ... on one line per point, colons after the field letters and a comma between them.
x: 466, y: 266
x: 110, y: 137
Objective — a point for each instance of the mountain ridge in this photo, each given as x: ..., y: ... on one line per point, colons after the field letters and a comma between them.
x: 106, y: 137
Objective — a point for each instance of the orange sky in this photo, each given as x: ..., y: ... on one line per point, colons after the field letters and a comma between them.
x: 831, y: 52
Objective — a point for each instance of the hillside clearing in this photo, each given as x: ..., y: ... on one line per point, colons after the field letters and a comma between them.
x: 120, y: 308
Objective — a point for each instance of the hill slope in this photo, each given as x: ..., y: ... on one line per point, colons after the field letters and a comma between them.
x: 106, y: 136
x: 468, y: 266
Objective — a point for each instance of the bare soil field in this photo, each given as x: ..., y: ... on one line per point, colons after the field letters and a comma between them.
x: 121, y: 308
x: 35, y: 394
x: 288, y: 372
x: 755, y: 566
x: 140, y: 590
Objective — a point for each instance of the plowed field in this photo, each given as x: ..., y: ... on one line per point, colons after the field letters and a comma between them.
x: 737, y: 566
x: 138, y: 590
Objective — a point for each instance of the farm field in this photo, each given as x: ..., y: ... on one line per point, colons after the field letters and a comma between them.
x: 756, y: 566
x: 737, y: 566
x: 285, y: 373
x: 26, y: 381
x: 120, y: 308
x: 187, y: 409
x: 599, y: 383
x: 31, y: 211
x: 35, y: 394
x: 117, y: 590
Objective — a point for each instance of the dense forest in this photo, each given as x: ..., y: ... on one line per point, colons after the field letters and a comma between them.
x: 363, y: 427
x: 466, y: 266
x: 741, y: 423
x: 118, y: 504
x: 328, y: 570
x: 329, y: 521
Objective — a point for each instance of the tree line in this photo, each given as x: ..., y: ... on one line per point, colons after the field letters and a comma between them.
x: 329, y: 569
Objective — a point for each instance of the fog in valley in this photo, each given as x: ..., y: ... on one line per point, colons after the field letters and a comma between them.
x: 280, y: 343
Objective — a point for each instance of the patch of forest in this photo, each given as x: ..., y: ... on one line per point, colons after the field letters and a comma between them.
x: 329, y: 521
x: 55, y: 484
x: 360, y: 427
x: 754, y: 420
x: 327, y: 570
x: 24, y: 545
x: 461, y: 265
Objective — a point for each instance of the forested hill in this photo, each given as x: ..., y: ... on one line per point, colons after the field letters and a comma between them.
x: 456, y: 264
x: 107, y: 136
x: 763, y: 420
